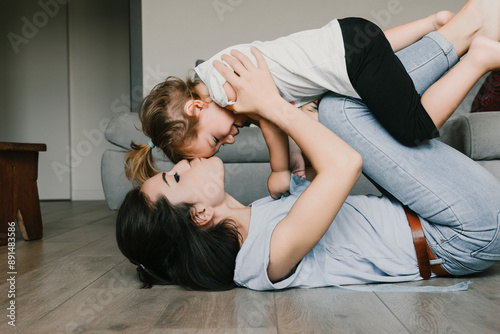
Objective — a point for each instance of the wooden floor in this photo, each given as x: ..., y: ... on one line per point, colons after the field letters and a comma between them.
x: 75, y: 280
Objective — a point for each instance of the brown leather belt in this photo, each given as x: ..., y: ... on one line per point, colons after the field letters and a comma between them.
x: 424, y: 253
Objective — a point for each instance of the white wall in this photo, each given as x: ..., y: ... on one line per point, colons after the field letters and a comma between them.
x: 177, y: 32
x: 64, y: 73
x: 99, y: 85
x: 34, y: 95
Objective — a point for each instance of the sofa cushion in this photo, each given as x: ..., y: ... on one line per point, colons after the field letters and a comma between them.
x: 488, y: 96
x: 484, y: 136
x: 123, y: 128
x: 476, y: 135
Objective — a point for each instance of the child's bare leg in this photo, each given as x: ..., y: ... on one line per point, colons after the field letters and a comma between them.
x: 477, y: 17
x: 406, y: 34
x: 444, y: 96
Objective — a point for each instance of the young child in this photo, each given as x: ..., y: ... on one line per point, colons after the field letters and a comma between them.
x: 349, y: 56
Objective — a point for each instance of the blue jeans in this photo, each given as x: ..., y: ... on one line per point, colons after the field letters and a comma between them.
x: 457, y: 200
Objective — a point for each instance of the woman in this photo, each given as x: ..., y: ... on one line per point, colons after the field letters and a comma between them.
x: 196, y: 235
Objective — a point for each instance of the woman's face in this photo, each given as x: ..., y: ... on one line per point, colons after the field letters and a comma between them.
x: 216, y: 126
x: 196, y: 181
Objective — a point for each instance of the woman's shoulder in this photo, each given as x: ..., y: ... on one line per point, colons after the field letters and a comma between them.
x: 253, y: 258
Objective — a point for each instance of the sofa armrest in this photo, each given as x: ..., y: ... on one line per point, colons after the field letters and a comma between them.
x: 124, y: 128
x: 477, y: 135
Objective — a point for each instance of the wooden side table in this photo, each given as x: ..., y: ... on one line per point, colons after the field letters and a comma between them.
x: 18, y: 189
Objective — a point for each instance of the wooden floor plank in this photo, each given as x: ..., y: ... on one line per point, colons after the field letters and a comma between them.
x: 237, y: 308
x: 214, y: 331
x: 69, y: 209
x: 33, y: 254
x: 110, y: 308
x: 83, y: 233
x: 473, y: 311
x: 37, y: 253
x: 49, y: 206
x: 47, y: 286
x: 487, y: 283
x: 333, y: 310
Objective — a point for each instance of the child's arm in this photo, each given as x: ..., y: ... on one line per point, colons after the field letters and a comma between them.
x: 406, y: 34
x: 278, y: 183
x: 298, y: 165
x: 297, y: 161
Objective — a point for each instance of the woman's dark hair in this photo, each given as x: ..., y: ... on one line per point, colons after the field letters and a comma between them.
x: 161, y: 239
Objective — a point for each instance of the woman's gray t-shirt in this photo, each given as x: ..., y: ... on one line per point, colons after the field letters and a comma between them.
x: 368, y: 241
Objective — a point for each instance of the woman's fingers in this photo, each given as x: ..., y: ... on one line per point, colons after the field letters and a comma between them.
x: 240, y: 63
x: 254, y: 86
x: 261, y: 62
x: 235, y: 64
x: 226, y: 72
x: 243, y: 59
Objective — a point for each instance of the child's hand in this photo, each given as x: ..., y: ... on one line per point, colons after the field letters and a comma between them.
x: 254, y: 86
x: 298, y: 165
x: 278, y: 184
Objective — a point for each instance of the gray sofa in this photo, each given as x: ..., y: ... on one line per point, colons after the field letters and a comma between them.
x: 247, y: 161
x: 477, y: 135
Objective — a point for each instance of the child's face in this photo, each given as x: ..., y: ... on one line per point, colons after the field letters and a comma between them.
x: 216, y: 126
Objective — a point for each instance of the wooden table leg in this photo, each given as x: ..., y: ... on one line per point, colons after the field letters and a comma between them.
x: 7, y: 211
x: 19, y: 194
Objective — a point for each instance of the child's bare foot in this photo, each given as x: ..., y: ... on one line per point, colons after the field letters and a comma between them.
x: 441, y: 18
x: 476, y: 18
x: 485, y: 52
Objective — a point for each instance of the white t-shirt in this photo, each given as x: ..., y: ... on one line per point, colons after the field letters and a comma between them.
x: 304, y: 66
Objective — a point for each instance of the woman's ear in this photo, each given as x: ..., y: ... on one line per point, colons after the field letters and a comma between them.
x: 194, y: 107
x: 202, y: 215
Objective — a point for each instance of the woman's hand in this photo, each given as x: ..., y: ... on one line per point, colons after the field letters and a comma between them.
x: 254, y: 86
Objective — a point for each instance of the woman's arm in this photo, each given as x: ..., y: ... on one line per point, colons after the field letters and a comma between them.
x: 406, y: 34
x: 337, y: 165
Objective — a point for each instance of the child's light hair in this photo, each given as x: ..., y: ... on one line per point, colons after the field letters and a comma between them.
x: 165, y: 122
